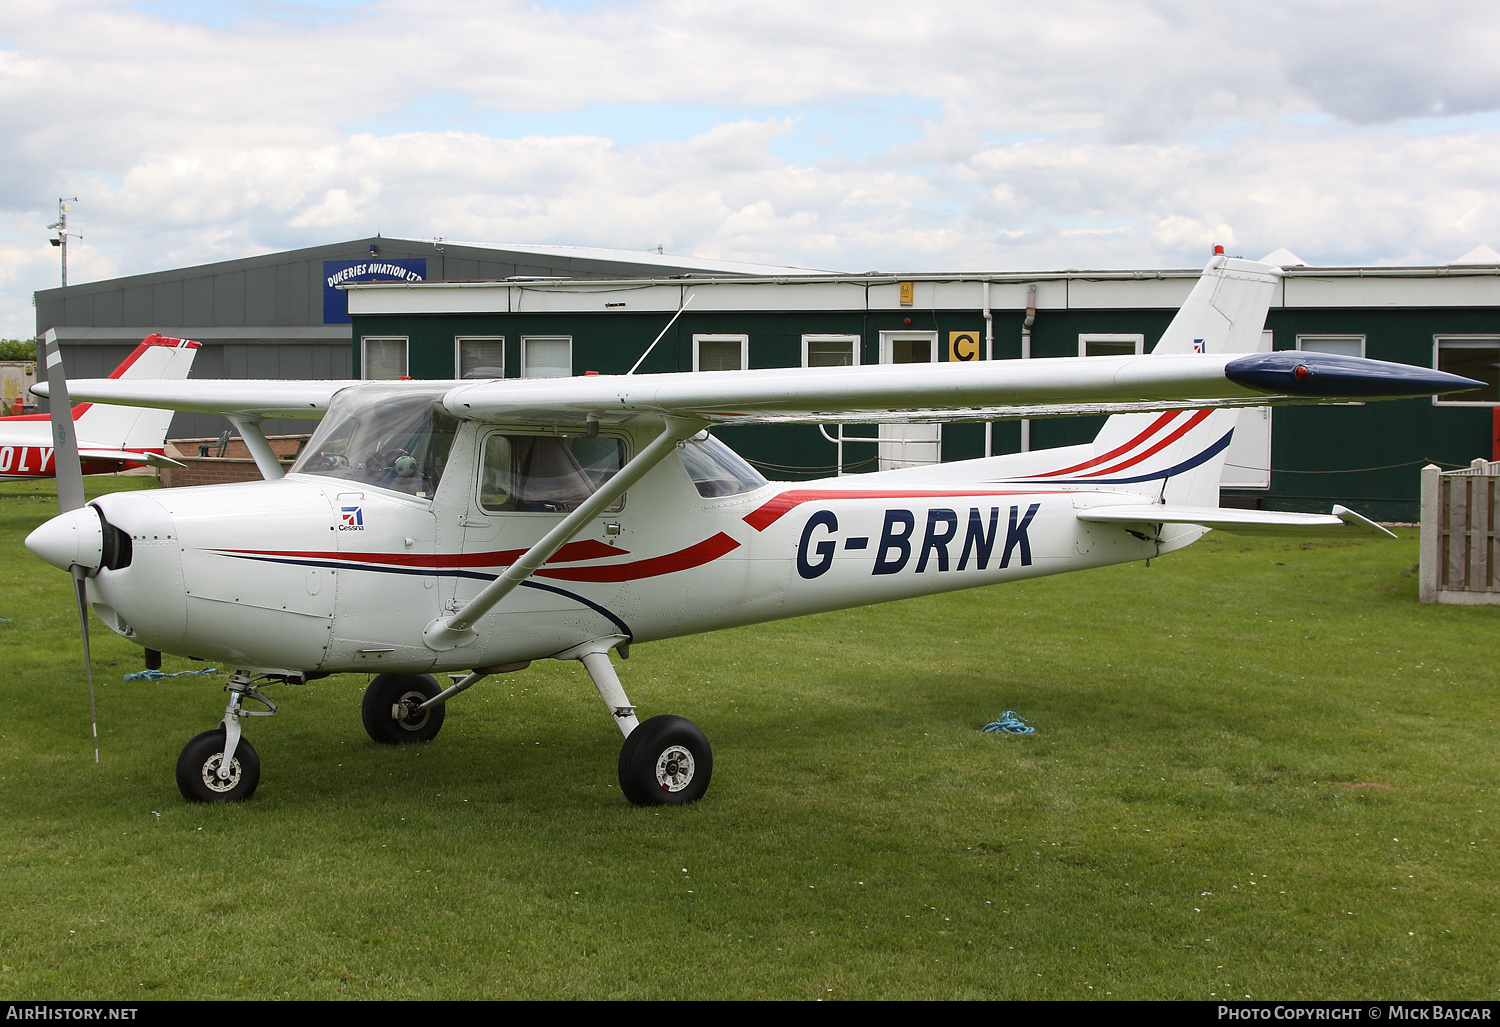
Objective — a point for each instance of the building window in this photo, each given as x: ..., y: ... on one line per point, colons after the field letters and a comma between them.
x: 1107, y: 345
x: 908, y: 347
x: 547, y: 356
x: 383, y: 357
x: 1473, y: 356
x: 721, y: 352
x: 830, y: 350
x: 1343, y: 345
x: 479, y: 356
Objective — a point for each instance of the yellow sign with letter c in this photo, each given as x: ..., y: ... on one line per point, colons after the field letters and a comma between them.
x: 963, y: 346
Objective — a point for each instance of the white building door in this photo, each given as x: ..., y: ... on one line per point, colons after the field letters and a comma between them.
x: 1247, y: 462
x: 909, y: 445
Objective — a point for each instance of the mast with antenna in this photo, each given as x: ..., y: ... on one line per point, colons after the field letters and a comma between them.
x: 61, y: 239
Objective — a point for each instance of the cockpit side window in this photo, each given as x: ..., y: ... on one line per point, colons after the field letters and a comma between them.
x: 716, y: 469
x: 394, y: 438
x: 545, y: 473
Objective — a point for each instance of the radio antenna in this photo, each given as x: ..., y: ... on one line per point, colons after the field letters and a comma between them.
x: 663, y: 332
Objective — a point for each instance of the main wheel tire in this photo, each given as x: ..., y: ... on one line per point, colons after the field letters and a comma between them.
x: 666, y: 761
x: 198, y: 769
x: 389, y: 708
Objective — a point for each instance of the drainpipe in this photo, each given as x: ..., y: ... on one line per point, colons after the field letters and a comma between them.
x: 989, y: 354
x: 1026, y: 355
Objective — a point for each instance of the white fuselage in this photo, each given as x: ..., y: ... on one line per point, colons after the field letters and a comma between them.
x: 310, y: 574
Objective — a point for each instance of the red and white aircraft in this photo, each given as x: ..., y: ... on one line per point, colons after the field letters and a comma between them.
x: 110, y: 438
x: 473, y: 527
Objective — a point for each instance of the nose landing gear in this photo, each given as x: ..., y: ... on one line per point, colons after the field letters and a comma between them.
x: 219, y: 765
x: 199, y: 765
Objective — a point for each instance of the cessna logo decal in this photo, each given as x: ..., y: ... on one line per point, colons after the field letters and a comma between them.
x: 815, y: 550
x: 352, y: 518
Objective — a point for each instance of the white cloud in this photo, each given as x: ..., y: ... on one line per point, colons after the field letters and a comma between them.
x: 1078, y: 133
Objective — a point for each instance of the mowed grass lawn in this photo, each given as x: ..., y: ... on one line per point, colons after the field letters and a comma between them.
x: 1260, y: 768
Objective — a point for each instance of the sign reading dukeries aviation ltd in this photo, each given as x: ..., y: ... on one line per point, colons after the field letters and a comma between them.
x: 345, y: 272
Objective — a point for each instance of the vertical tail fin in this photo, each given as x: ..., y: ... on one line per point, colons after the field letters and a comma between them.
x: 1177, y: 456
x: 136, y: 429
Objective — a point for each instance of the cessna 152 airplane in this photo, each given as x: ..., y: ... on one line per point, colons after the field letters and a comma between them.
x: 110, y: 438
x: 475, y: 526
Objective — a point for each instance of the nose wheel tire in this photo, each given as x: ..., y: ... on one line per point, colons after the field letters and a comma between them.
x: 390, y: 709
x: 198, y: 770
x: 666, y: 761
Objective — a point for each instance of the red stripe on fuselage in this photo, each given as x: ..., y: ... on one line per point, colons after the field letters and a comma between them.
x: 572, y: 552
x: 707, y: 551
x: 763, y: 517
x: 684, y: 559
x: 1156, y: 425
x: 1192, y: 423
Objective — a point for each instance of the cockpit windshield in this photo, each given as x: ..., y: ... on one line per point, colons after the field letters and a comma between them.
x: 393, y: 437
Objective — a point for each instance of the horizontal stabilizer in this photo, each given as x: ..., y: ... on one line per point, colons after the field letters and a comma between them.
x: 1343, y: 522
x: 131, y: 456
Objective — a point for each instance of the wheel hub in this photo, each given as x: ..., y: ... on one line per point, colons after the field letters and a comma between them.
x: 408, y: 713
x: 211, y: 779
x: 674, y: 769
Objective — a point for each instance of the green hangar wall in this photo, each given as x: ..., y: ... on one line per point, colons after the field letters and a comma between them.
x: 1367, y: 456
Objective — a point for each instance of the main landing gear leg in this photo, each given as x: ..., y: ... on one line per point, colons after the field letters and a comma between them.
x: 221, y: 765
x: 666, y: 761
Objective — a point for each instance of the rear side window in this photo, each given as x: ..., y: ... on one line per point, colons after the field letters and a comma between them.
x: 716, y: 469
x: 546, y: 473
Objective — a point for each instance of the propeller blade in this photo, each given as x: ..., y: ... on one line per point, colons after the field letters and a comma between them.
x: 65, y: 463
x: 88, y: 662
x: 69, y: 471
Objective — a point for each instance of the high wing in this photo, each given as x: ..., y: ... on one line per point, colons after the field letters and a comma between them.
x: 250, y: 397
x: 984, y: 390
x: 1202, y: 360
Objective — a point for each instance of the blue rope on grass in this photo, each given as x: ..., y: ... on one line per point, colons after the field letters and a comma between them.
x: 157, y: 675
x: 1010, y: 724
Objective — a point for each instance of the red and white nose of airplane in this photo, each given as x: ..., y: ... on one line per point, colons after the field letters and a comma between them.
x: 75, y: 538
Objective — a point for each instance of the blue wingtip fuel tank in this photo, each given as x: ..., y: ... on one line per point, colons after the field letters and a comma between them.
x: 1291, y: 373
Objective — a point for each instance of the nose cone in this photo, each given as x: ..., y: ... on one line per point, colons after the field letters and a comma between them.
x: 75, y: 537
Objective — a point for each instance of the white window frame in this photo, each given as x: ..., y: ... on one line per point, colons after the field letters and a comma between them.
x: 1084, y: 338
x: 459, y: 340
x: 743, y: 340
x: 888, y: 342
x: 1316, y: 336
x: 852, y: 340
x: 364, y: 354
x: 1437, y: 341
x: 525, y: 371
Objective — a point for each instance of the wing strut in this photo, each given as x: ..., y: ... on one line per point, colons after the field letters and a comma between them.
x: 259, y: 446
x: 446, y: 633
